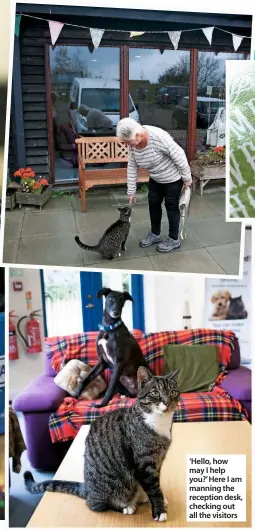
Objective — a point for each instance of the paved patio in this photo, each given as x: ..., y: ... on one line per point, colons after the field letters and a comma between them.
x: 46, y: 237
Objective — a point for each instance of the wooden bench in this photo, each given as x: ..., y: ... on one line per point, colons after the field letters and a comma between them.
x: 102, y: 150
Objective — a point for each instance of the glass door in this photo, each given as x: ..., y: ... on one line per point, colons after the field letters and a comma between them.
x: 211, y: 99
x: 85, y: 94
x: 133, y: 313
x: 120, y: 281
x: 159, y: 88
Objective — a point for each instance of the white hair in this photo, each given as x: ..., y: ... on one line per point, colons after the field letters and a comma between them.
x: 83, y: 108
x: 127, y: 129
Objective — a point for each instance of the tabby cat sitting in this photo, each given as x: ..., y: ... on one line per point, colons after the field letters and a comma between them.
x: 124, y: 451
x: 115, y: 237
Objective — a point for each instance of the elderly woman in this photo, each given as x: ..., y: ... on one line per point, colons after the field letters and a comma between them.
x: 153, y: 149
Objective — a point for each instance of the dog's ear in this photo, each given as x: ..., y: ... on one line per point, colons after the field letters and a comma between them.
x: 103, y: 292
x: 120, y: 209
x: 213, y: 299
x: 128, y: 296
x: 143, y: 376
x: 228, y: 295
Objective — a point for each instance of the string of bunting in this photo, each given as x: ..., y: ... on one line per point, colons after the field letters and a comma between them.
x: 97, y: 34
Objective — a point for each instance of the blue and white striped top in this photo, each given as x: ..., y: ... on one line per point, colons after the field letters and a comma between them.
x: 163, y: 158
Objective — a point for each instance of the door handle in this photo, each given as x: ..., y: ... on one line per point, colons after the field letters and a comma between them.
x: 89, y: 306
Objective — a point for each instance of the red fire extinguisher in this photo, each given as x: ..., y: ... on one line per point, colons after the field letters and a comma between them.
x: 33, y: 335
x: 13, y: 343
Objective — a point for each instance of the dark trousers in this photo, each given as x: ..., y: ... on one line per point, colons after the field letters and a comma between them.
x: 171, y: 193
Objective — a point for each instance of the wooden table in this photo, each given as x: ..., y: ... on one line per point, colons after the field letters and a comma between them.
x: 59, y: 510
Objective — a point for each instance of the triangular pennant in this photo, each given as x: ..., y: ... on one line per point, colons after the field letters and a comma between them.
x: 17, y: 25
x: 55, y: 30
x: 174, y: 37
x: 208, y: 33
x: 136, y: 33
x: 236, y: 41
x: 96, y: 36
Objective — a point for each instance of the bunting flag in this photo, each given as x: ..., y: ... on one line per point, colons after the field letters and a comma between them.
x: 136, y: 33
x: 17, y: 25
x: 174, y: 37
x: 96, y: 36
x: 208, y: 32
x: 236, y: 41
x: 55, y: 30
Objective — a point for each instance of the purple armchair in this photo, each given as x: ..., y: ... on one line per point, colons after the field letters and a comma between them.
x: 37, y: 401
x: 42, y: 397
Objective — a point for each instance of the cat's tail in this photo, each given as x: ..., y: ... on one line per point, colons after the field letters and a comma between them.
x: 63, y: 486
x: 84, y: 246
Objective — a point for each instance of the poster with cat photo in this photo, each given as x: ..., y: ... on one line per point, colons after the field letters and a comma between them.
x: 228, y: 304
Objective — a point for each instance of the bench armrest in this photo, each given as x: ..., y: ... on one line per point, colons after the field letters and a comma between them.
x: 41, y: 394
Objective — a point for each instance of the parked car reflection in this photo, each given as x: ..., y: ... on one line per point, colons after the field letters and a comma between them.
x: 171, y: 95
x: 206, y: 112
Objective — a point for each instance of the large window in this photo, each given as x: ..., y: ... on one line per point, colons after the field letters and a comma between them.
x: 85, y: 95
x: 71, y: 303
x: 159, y: 88
x: 211, y: 99
x: 63, y: 306
x: 85, y: 92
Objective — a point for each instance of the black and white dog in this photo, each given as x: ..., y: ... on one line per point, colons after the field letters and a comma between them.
x: 116, y: 349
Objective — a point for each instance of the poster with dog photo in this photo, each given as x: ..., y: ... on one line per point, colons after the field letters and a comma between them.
x: 228, y: 304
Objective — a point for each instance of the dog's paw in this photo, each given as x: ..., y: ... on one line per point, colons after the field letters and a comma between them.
x: 129, y: 509
x: 161, y: 517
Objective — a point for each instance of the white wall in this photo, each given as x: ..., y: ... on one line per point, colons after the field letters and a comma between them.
x: 165, y: 297
x: 30, y: 365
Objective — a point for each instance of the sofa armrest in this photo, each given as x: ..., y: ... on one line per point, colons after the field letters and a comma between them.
x: 42, y: 394
x: 238, y: 383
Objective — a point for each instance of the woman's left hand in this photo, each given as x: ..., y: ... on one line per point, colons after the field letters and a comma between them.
x: 187, y: 183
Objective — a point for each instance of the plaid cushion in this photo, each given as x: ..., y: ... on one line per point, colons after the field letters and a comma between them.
x: 216, y: 405
x: 152, y: 344
x: 207, y: 406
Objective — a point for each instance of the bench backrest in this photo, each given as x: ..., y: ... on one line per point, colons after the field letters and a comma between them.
x: 101, y: 150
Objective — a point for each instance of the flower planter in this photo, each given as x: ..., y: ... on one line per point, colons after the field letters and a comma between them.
x: 206, y: 173
x: 10, y: 199
x: 34, y: 199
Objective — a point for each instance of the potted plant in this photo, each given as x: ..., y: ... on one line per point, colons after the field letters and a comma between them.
x: 208, y: 165
x: 32, y: 190
x: 11, y: 190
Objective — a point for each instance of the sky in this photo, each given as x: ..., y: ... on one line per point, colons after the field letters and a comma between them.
x: 146, y: 62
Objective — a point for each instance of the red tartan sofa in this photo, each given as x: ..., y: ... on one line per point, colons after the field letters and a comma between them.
x: 52, y: 418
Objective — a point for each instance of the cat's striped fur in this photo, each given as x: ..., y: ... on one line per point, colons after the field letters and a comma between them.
x: 124, y: 452
x: 114, y: 238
